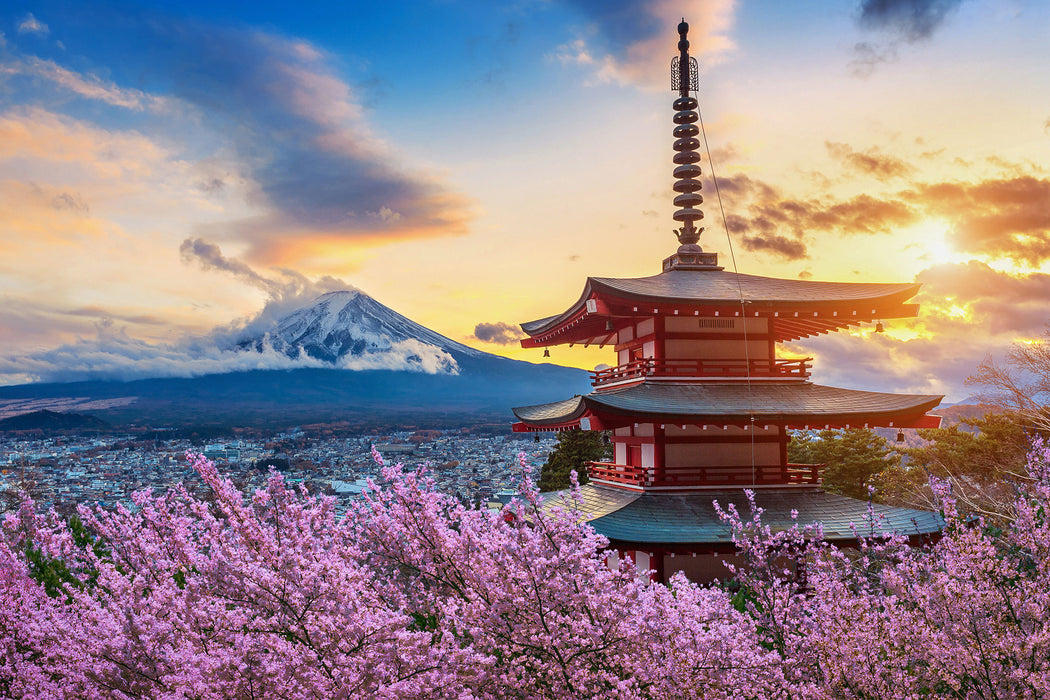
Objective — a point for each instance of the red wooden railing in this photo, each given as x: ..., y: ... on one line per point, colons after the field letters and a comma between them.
x: 764, y: 367
x: 706, y: 476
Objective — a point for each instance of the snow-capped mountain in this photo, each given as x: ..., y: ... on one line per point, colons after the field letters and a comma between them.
x: 417, y: 376
x: 350, y: 329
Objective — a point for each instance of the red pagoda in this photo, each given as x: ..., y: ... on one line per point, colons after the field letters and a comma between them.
x: 699, y: 403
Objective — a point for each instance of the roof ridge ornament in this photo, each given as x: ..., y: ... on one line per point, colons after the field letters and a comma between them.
x: 685, y: 77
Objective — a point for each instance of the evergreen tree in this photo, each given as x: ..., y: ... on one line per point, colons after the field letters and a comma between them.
x: 851, y: 457
x: 574, y: 450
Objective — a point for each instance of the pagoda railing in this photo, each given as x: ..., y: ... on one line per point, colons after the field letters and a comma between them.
x: 707, y: 475
x: 795, y: 368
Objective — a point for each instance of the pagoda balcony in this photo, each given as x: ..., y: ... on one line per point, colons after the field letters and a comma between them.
x: 784, y: 474
x: 687, y: 369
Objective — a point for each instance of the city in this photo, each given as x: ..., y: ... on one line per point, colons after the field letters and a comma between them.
x: 64, y: 471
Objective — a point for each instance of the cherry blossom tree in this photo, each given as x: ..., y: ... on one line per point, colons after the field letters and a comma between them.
x: 410, y: 594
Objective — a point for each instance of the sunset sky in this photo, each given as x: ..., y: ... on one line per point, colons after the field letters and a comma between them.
x: 169, y: 169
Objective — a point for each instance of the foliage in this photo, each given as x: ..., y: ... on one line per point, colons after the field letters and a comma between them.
x: 574, y: 450
x: 1022, y: 384
x: 983, y: 459
x: 852, y: 457
x: 412, y: 595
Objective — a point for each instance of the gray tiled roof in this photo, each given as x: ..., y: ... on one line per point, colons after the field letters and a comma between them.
x: 720, y: 285
x: 799, y: 402
x: 653, y: 517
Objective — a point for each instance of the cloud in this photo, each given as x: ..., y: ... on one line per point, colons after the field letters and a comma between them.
x: 769, y: 221
x: 786, y: 248
x: 1000, y: 217
x: 210, y: 257
x: 310, y: 169
x: 631, y: 43
x: 910, y: 20
x: 967, y: 312
x: 114, y: 354
x: 989, y: 300
x: 499, y: 333
x: 31, y: 25
x: 85, y: 85
x: 868, y: 56
x: 871, y: 162
x: 319, y: 170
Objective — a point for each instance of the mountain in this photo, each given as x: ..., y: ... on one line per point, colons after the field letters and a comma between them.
x: 351, y: 323
x: 52, y: 421
x: 367, y: 364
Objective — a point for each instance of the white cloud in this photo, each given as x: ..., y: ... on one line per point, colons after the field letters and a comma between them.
x: 86, y: 85
x: 31, y: 25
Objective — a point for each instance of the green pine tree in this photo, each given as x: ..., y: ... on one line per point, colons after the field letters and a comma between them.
x: 574, y: 450
x: 851, y: 457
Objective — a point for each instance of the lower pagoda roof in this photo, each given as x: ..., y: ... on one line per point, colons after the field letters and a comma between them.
x: 795, y: 404
x: 691, y: 519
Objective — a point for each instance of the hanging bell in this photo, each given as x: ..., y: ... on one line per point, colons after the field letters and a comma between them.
x: 879, y: 327
x: 609, y: 326
x: 900, y: 435
x: 546, y: 352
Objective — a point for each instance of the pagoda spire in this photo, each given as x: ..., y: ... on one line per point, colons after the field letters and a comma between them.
x: 685, y: 79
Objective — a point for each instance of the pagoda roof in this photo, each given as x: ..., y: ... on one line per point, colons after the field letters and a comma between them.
x: 690, y: 518
x: 799, y: 307
x: 788, y: 403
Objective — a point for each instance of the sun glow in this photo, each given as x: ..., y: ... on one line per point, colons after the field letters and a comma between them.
x: 931, y: 238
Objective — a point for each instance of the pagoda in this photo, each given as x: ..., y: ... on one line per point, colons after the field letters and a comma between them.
x: 699, y: 402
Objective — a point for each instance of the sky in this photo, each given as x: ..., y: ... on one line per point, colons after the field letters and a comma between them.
x: 173, y: 173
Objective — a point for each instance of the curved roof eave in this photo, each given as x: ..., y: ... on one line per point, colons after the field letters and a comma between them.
x: 710, y: 287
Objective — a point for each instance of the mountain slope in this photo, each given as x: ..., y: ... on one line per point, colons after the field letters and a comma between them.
x: 382, y: 363
x: 351, y: 323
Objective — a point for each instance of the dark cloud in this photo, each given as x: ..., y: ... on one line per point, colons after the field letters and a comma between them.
x: 499, y: 333
x: 871, y: 162
x: 621, y: 22
x: 211, y: 185
x: 210, y: 257
x: 302, y: 136
x: 781, y: 246
x: 70, y: 201
x: 1006, y: 217
x: 910, y: 20
x: 999, y: 217
x: 767, y: 221
x: 805, y: 275
x: 867, y: 57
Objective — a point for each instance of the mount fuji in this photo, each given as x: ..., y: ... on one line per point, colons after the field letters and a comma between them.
x: 352, y: 329
x: 343, y: 356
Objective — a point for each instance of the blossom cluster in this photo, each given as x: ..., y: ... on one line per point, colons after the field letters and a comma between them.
x: 411, y: 594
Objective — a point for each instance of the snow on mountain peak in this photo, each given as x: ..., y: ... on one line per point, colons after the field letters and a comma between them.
x: 350, y: 329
